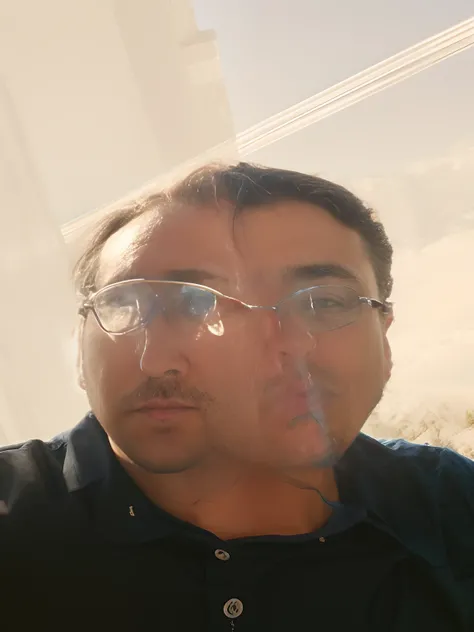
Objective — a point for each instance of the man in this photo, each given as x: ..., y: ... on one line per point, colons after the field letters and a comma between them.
x: 233, y: 341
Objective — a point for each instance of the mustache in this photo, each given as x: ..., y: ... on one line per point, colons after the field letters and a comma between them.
x: 165, y: 388
x: 315, y: 382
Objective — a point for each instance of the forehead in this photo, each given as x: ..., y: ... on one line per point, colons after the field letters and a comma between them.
x: 259, y: 243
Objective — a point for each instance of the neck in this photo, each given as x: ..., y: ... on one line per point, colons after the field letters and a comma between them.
x: 243, y: 502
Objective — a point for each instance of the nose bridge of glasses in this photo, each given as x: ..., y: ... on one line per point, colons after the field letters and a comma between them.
x: 264, y: 308
x: 270, y: 310
x: 281, y: 310
x: 295, y: 339
x: 156, y: 308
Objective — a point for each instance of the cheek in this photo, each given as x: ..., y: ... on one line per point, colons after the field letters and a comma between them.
x: 111, y: 366
x: 230, y: 371
x: 231, y: 367
x: 355, y: 353
x: 239, y: 353
x: 353, y: 362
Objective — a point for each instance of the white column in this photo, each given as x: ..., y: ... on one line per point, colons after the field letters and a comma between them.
x: 110, y: 93
x: 77, y: 98
x: 38, y: 395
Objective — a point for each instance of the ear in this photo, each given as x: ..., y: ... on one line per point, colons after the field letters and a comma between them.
x: 79, y: 336
x: 388, y: 320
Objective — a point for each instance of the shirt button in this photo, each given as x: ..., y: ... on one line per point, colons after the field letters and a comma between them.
x: 233, y: 608
x: 222, y: 555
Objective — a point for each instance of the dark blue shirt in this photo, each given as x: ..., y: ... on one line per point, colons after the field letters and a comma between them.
x: 396, y: 555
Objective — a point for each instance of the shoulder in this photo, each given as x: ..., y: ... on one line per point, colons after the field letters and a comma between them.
x: 426, y: 493
x: 38, y: 512
x: 37, y: 507
x: 443, y: 474
x: 442, y: 466
x: 423, y: 459
x: 33, y: 448
x: 422, y: 482
x: 30, y: 468
x: 449, y: 476
x: 38, y: 474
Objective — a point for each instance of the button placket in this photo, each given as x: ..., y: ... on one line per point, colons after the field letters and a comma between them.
x: 233, y: 608
x: 223, y: 576
x: 223, y: 556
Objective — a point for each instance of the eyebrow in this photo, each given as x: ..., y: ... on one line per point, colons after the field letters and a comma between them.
x: 183, y: 275
x: 190, y: 275
x: 314, y: 271
x: 306, y: 272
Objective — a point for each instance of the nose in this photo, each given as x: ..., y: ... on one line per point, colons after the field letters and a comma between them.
x: 160, y: 352
x: 286, y: 342
x: 296, y: 339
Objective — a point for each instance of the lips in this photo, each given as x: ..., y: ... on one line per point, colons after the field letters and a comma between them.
x: 299, y: 402
x: 165, y: 408
x: 296, y: 406
x: 164, y: 404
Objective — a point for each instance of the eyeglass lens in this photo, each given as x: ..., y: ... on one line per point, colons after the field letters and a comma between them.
x: 125, y: 307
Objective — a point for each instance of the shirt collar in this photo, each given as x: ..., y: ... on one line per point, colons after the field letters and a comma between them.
x: 374, y: 481
x: 120, y: 510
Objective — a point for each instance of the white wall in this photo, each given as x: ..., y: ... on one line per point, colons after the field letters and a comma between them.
x: 37, y: 384
x: 105, y: 94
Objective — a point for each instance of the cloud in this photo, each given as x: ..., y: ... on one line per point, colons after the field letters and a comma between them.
x: 429, y: 212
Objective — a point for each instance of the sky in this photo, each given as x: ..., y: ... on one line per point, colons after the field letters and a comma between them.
x: 275, y: 53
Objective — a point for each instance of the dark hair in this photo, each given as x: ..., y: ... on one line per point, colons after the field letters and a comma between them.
x: 246, y: 185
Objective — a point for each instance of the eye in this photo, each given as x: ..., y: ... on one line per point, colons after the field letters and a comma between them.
x: 325, y: 302
x: 195, y: 302
x: 123, y: 307
x: 321, y: 302
x: 332, y: 298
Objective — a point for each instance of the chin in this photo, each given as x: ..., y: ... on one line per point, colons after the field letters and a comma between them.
x: 169, y: 464
x: 167, y: 468
x: 153, y: 462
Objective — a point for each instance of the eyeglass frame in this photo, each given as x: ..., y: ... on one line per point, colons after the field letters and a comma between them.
x: 88, y: 303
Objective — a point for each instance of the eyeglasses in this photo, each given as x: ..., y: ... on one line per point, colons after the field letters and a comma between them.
x: 126, y: 306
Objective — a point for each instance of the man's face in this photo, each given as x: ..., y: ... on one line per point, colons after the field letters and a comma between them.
x: 250, y: 386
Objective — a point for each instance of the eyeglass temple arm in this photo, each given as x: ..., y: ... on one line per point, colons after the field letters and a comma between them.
x: 84, y: 308
x: 386, y: 306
